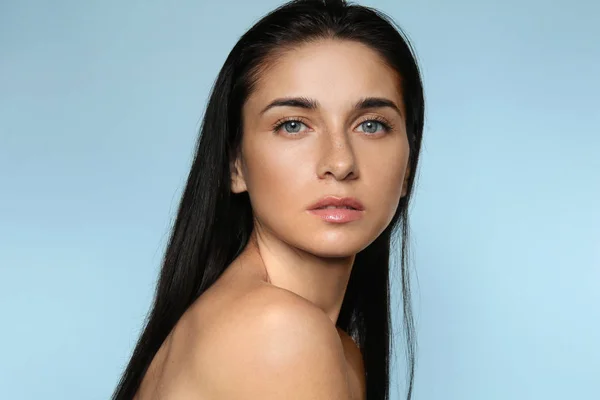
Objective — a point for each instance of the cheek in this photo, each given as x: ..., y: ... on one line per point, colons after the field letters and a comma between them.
x: 388, y: 186
x: 273, y: 178
x: 384, y: 175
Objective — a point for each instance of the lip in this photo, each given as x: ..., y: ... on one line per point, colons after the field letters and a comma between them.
x: 338, y: 202
x: 337, y: 215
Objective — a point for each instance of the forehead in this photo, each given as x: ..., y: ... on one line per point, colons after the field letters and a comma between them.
x: 335, y: 72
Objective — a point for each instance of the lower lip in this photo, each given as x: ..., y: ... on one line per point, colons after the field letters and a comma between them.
x: 337, y: 215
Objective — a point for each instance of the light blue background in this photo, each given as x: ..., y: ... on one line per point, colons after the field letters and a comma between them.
x: 99, y: 107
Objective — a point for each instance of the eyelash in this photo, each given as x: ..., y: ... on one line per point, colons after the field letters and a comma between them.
x: 387, y: 127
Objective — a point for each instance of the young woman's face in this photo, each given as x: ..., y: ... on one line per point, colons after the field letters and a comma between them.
x: 294, y: 155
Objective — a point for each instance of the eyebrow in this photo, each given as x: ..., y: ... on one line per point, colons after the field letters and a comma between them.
x: 311, y: 104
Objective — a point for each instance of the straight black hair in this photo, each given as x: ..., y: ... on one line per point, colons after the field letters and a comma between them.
x: 213, y: 224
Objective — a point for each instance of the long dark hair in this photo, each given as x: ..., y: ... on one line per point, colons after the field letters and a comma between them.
x: 213, y: 225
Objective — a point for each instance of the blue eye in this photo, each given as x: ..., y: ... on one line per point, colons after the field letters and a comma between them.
x: 291, y: 126
x: 371, y: 126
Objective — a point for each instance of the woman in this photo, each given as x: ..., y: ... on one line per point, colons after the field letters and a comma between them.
x: 275, y: 280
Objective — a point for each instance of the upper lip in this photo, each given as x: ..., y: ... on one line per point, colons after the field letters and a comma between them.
x: 338, y: 202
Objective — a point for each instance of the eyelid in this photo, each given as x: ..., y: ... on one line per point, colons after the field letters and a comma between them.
x: 373, y: 118
x: 287, y: 119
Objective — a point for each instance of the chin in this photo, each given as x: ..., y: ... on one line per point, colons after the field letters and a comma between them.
x: 335, y: 246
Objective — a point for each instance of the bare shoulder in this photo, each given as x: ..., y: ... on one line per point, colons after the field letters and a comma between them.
x: 271, y: 344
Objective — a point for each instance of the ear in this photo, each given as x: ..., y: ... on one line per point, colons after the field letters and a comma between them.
x: 238, y: 184
x: 405, y: 183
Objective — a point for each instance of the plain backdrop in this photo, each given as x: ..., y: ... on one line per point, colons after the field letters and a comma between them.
x: 100, y: 102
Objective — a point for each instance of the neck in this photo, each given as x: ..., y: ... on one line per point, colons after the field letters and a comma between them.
x: 322, y: 281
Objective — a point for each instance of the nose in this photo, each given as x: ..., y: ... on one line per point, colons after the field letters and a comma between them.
x: 337, y: 158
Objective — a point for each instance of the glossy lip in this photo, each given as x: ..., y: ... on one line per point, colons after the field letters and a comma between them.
x: 338, y: 202
x: 337, y: 215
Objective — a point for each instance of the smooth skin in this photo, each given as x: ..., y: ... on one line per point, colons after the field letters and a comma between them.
x: 267, y: 328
